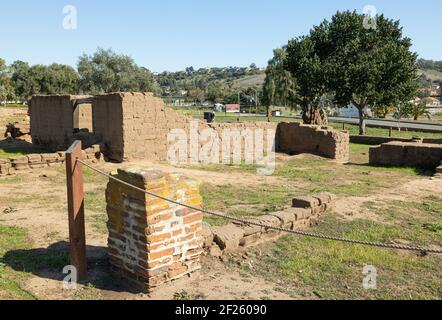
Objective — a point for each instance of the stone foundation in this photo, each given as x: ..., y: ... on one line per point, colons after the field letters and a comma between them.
x: 322, y: 141
x: 42, y: 160
x: 152, y: 241
x: 305, y: 211
x: 411, y: 154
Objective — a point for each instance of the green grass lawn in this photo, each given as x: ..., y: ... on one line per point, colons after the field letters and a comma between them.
x: 301, y: 177
x: 6, y: 153
x: 11, y: 282
x: 382, y: 132
x: 298, y: 266
x: 221, y: 117
x: 333, y: 270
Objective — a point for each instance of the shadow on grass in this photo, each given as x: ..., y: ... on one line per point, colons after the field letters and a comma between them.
x: 419, y: 171
x: 16, y: 147
x: 49, y: 262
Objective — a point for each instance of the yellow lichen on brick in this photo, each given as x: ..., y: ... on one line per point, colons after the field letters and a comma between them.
x: 147, y: 234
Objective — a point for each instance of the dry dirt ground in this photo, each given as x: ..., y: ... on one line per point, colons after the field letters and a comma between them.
x: 38, y: 200
x: 39, y: 206
x: 10, y: 115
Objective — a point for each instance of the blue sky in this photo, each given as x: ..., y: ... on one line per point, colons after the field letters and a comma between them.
x: 173, y: 34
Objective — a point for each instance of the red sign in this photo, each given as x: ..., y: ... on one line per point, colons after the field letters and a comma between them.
x: 233, y: 108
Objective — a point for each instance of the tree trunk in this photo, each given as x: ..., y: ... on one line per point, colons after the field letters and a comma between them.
x: 314, y: 116
x: 362, y: 130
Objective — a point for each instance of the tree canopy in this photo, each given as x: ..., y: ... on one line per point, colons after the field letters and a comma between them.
x: 280, y: 86
x: 39, y: 79
x: 106, y: 71
x: 365, y: 66
x: 6, y: 88
x: 369, y: 67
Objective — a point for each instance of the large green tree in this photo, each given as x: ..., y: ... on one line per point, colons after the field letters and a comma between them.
x: 307, y: 62
x: 106, y: 71
x: 370, y: 66
x: 39, y: 79
x: 60, y: 79
x: 279, y: 86
x: 6, y: 88
x: 21, y: 80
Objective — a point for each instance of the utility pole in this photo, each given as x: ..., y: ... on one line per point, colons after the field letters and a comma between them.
x: 256, y: 99
x: 239, y: 101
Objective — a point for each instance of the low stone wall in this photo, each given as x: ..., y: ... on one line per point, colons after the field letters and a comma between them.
x: 305, y: 211
x: 152, y: 241
x: 42, y: 160
x: 323, y: 141
x: 413, y: 154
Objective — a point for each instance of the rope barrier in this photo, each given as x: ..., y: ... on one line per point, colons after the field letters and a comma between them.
x: 268, y: 227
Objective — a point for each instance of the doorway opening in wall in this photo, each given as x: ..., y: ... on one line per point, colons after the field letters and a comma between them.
x: 83, y: 121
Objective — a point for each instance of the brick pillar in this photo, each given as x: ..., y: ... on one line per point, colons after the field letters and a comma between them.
x: 152, y: 241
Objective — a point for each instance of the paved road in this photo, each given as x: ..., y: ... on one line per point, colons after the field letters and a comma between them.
x: 392, y: 124
x: 379, y: 123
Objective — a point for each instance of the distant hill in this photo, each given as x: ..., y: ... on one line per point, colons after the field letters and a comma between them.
x: 433, y: 75
x: 211, y: 84
x: 431, y: 69
x: 249, y: 81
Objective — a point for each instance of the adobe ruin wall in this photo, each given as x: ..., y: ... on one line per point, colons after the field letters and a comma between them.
x: 138, y: 125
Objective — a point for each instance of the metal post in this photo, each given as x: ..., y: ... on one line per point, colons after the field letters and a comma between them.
x: 77, y: 234
x: 239, y: 103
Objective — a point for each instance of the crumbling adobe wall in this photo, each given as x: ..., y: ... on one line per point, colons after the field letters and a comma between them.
x: 83, y: 117
x: 137, y: 126
x: 52, y: 121
x: 413, y: 154
x: 134, y: 125
x: 323, y: 141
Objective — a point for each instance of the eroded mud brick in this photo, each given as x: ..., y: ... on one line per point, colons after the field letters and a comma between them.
x: 227, y: 237
x: 305, y: 202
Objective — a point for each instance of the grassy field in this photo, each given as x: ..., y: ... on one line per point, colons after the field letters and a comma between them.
x: 332, y: 270
x: 221, y: 117
x: 298, y: 267
x: 305, y: 176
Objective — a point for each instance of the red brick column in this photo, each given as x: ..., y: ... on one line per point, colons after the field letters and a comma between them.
x: 152, y: 241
